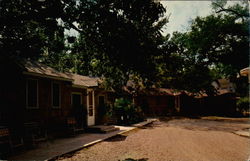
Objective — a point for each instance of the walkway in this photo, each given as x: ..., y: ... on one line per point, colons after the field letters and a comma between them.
x: 58, y: 147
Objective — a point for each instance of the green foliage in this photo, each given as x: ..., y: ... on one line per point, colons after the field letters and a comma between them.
x: 222, y: 38
x: 216, y: 46
x: 114, y: 38
x: 105, y: 110
x: 187, y: 72
x: 243, y: 104
x: 126, y: 112
x: 121, y: 38
x: 28, y: 29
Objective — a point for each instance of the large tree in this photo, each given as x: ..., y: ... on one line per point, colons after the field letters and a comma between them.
x: 115, y: 38
x: 121, y: 38
x: 31, y: 28
x: 216, y: 46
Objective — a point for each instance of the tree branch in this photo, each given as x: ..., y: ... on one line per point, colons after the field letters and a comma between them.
x: 74, y: 27
x: 230, y: 10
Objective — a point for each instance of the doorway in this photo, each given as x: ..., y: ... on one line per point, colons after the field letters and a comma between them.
x: 79, y: 112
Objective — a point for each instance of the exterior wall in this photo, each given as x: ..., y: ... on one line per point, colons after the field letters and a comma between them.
x: 187, y: 104
x: 212, y: 105
x: 12, y: 99
x: 14, y: 113
x: 46, y: 112
x: 223, y: 105
x: 156, y: 105
x: 82, y: 91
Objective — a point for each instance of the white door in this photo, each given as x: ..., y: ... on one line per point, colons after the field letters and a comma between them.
x: 91, y: 106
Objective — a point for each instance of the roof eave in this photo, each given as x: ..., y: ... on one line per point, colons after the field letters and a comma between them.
x: 79, y: 86
x: 47, y: 76
x: 83, y: 86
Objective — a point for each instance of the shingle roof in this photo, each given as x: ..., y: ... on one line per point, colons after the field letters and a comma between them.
x: 218, y: 93
x: 32, y: 67
x: 155, y: 92
x: 160, y: 91
x: 80, y: 80
x: 36, y: 68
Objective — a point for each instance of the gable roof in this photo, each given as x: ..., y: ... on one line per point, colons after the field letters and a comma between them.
x: 86, y: 81
x: 41, y: 70
x: 38, y: 69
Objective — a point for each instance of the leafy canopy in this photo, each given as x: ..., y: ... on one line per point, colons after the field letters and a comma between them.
x: 115, y: 38
x: 216, y: 46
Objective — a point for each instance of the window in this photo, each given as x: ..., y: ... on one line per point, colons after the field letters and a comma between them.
x: 32, y: 93
x: 56, y: 95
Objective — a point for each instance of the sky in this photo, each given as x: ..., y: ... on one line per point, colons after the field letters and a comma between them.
x: 182, y: 12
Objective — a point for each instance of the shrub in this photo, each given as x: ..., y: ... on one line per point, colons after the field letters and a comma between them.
x: 126, y: 112
x: 243, y: 104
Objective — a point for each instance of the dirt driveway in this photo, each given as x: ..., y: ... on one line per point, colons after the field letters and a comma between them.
x: 174, y: 140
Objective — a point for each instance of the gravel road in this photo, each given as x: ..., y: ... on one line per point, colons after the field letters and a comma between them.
x: 174, y: 140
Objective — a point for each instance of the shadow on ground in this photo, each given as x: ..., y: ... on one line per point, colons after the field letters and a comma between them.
x: 116, y: 138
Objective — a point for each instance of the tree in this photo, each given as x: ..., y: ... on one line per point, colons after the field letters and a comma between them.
x: 29, y: 28
x: 222, y: 38
x: 121, y: 38
x: 180, y: 69
x: 116, y: 38
x: 216, y: 46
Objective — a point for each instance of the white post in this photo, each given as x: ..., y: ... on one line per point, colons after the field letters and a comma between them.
x: 91, y: 119
x: 93, y: 106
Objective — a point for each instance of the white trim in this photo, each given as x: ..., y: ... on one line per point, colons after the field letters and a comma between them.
x: 93, y: 100
x: 78, y: 93
x: 91, y: 119
x: 37, y: 94
x: 87, y: 101
x: 47, y: 76
x: 52, y: 103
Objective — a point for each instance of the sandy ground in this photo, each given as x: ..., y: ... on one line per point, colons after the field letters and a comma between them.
x: 174, y: 140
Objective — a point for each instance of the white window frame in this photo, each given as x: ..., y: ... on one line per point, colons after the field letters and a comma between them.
x: 37, y: 94
x: 52, y: 103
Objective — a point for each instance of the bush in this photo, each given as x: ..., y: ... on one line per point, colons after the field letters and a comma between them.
x: 126, y: 112
x: 243, y: 104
